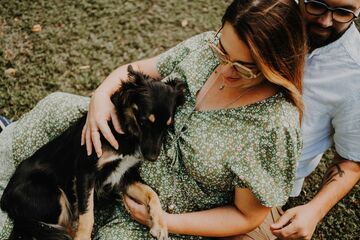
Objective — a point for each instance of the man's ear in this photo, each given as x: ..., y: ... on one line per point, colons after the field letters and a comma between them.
x: 179, y: 87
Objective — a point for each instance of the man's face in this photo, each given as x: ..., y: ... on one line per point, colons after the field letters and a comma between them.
x: 323, y: 29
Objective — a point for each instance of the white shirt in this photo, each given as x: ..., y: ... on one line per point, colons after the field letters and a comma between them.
x: 332, y: 103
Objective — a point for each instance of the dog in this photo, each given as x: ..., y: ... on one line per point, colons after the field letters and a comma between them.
x: 54, y: 189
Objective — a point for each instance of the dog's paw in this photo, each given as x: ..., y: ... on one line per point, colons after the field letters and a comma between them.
x: 159, y: 232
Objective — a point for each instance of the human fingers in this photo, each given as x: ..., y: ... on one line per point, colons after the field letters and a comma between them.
x: 284, y: 220
x: 95, y: 139
x: 286, y: 232
x: 88, y: 141
x: 109, y: 136
x: 137, y: 211
x: 116, y: 123
x: 130, y: 204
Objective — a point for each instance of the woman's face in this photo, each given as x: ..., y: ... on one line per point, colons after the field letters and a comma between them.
x: 236, y: 51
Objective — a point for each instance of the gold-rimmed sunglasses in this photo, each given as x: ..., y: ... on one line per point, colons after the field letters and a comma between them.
x: 243, y: 71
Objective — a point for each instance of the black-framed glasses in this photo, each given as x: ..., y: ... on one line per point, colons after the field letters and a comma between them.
x: 341, y: 15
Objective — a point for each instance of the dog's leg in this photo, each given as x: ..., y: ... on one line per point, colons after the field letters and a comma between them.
x: 86, y: 219
x: 65, y: 218
x: 145, y: 195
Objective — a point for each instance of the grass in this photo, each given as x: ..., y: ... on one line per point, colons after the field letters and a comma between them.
x: 81, y: 42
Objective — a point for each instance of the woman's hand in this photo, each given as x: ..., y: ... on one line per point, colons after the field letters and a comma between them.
x: 101, y: 111
x: 137, y: 211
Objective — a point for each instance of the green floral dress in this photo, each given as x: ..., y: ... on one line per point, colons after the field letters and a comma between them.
x: 204, y: 157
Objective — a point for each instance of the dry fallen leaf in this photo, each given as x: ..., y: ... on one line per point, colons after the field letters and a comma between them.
x: 84, y: 67
x: 36, y: 28
x: 184, y: 23
x: 10, y: 72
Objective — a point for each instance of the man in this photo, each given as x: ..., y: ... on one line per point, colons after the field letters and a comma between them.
x: 332, y: 112
x: 332, y: 116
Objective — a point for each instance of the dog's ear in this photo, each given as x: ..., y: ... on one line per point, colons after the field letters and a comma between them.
x: 127, y: 111
x: 132, y: 75
x: 116, y: 99
x: 136, y: 77
x: 179, y: 87
x: 120, y: 99
x: 131, y: 123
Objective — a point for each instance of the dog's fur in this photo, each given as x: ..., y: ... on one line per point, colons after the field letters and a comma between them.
x: 55, y: 187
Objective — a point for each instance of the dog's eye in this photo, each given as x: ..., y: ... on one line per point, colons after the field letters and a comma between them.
x: 142, y: 121
x: 151, y: 118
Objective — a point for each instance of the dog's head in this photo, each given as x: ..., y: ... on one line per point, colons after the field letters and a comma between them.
x: 146, y: 109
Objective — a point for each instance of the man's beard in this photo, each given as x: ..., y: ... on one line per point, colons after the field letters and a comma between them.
x: 317, y: 41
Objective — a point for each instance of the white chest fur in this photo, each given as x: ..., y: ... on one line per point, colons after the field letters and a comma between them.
x: 126, y: 163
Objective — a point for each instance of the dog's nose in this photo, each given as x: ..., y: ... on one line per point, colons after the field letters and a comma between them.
x: 151, y: 157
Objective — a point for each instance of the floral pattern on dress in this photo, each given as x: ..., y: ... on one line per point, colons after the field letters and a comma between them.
x: 205, y: 156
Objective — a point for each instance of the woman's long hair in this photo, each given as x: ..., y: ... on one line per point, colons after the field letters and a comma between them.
x: 275, y: 34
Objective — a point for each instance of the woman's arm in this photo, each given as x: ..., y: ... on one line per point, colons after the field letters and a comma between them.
x: 246, y: 214
x: 113, y: 81
x: 101, y: 109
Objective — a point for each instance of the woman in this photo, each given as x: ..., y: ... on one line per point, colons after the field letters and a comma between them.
x: 236, y: 139
x: 232, y: 154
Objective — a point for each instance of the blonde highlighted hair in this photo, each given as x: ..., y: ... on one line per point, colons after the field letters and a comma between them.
x: 276, y: 36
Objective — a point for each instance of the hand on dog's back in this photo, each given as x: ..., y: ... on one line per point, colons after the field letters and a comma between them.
x: 101, y: 111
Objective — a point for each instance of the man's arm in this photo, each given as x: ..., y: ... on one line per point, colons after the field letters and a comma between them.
x: 301, y: 221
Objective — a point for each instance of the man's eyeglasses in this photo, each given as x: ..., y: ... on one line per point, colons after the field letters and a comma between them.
x: 341, y: 15
x: 243, y: 71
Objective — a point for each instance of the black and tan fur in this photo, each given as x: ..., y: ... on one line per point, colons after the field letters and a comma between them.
x: 55, y: 187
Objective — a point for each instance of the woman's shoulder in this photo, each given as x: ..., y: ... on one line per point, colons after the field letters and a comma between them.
x: 198, y: 39
x: 269, y: 147
x: 271, y: 113
x: 204, y: 36
x: 284, y: 113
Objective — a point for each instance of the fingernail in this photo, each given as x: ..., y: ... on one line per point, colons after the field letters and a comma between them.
x: 98, y: 154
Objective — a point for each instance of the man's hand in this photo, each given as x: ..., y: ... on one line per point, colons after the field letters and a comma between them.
x: 297, y: 223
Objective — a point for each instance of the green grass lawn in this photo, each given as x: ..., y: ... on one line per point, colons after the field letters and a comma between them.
x: 81, y: 42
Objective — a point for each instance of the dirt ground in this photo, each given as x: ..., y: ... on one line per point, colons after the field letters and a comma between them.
x: 81, y: 41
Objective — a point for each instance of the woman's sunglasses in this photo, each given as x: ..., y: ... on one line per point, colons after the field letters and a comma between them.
x: 243, y: 71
